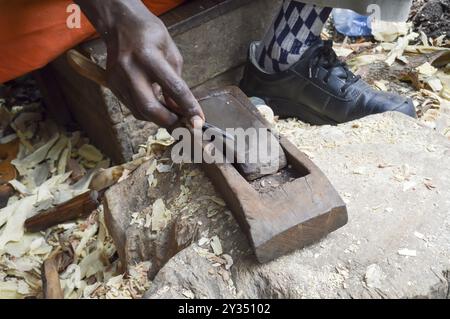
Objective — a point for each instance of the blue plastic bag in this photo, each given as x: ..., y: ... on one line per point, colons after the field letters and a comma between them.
x: 352, y: 24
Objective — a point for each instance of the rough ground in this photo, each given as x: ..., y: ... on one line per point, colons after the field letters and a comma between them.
x: 392, y: 173
x: 432, y: 17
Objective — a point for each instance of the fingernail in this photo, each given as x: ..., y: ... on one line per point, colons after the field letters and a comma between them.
x: 197, y: 122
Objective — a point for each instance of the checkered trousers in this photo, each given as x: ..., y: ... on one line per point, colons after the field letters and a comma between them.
x: 295, y: 27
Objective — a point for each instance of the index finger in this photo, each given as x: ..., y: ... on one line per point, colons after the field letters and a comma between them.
x: 177, y: 89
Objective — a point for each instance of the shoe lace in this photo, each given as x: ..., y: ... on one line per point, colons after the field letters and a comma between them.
x: 326, y: 58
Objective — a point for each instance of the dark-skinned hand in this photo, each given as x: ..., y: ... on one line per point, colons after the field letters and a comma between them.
x: 144, y: 65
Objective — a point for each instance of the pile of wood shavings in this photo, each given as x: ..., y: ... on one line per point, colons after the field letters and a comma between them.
x: 55, y: 166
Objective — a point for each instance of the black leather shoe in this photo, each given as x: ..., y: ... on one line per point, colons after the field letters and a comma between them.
x: 319, y: 89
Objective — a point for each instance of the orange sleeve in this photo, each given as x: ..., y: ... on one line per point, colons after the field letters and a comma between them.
x: 34, y: 32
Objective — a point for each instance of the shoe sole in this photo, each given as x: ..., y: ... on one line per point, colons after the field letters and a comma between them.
x: 286, y: 109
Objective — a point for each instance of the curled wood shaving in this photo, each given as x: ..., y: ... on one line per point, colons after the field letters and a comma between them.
x: 216, y: 246
x: 160, y: 215
x: 90, y: 153
x: 34, y: 158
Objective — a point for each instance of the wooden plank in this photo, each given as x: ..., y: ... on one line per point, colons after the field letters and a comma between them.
x: 194, y: 13
x: 55, y: 102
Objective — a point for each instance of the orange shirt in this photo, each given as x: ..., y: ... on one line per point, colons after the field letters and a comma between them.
x: 34, y: 32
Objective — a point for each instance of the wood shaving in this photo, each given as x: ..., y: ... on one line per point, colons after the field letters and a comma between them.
x: 216, y: 246
x: 426, y: 69
x: 160, y: 215
x: 419, y: 235
x: 90, y: 153
x: 229, y: 261
x: 43, y: 182
x: 34, y: 158
x: 407, y: 252
x: 385, y: 31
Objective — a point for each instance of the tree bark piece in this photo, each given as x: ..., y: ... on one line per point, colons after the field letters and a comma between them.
x: 8, y: 152
x: 50, y: 279
x: 5, y: 193
x: 77, y: 207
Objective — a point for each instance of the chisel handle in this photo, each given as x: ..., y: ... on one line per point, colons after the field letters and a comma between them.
x: 87, y: 68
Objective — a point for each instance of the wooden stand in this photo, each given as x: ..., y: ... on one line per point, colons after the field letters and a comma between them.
x: 296, y: 207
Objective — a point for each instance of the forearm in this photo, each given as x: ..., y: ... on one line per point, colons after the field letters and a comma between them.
x: 104, y: 14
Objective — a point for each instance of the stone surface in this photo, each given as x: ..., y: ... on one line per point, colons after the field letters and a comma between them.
x: 391, y: 170
x: 179, y: 280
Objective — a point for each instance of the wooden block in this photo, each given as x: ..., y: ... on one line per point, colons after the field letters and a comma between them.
x: 282, y: 212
